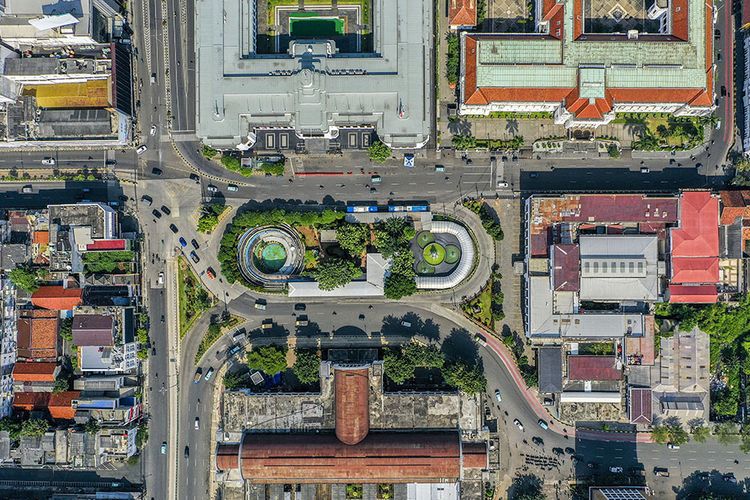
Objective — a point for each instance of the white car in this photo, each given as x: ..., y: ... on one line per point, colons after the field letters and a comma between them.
x: 498, y: 396
x: 153, y: 130
x: 616, y: 470
x: 197, y: 423
x: 518, y: 423
x: 502, y: 184
x: 673, y: 446
x: 211, y: 188
x: 141, y: 149
x: 232, y: 188
x: 645, y: 170
x: 161, y: 278
x: 48, y: 161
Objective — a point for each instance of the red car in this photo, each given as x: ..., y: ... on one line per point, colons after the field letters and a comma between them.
x: 210, y: 273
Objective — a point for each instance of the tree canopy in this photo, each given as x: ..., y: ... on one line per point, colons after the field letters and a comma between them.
x: 268, y: 359
x: 379, y: 152
x: 34, y: 427
x: 307, y: 366
x: 466, y: 377
x: 353, y: 238
x: 333, y: 273
x: 398, y: 285
x: 25, y: 278
x: 400, y: 364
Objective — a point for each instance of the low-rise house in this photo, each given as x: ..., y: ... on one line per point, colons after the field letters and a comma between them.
x: 37, y: 335
x: 59, y: 405
x: 34, y: 377
x: 57, y: 298
x: 106, y: 343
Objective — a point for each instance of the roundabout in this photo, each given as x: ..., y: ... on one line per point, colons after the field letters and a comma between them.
x: 269, y: 255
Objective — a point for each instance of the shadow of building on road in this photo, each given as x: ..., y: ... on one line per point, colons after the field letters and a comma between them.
x: 713, y: 484
x: 608, y: 463
x: 459, y: 345
x: 410, y: 324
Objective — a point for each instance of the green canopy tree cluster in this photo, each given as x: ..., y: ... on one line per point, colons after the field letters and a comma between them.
x: 268, y: 359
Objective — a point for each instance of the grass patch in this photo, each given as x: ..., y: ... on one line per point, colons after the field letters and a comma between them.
x: 425, y: 238
x: 434, y: 254
x: 116, y: 262
x: 480, y: 307
x: 452, y: 254
x: 424, y: 268
x: 194, y: 299
x: 215, y: 330
x: 596, y: 348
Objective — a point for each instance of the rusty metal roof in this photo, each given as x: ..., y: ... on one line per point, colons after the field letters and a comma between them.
x: 352, y: 404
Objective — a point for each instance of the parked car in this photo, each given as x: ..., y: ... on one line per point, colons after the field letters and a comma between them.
x: 195, y: 244
x: 543, y: 424
x: 518, y: 423
x: 212, y: 189
x: 208, y: 374
x: 210, y: 272
x: 615, y: 470
x: 153, y: 130
x: 141, y: 149
x: 160, y: 280
x: 570, y: 451
x: 301, y: 320
x: 439, y: 168
x: 173, y: 228
x: 406, y: 324
x: 194, y: 177
x: 267, y: 324
x: 182, y: 241
x: 537, y: 441
x: 194, y: 256
x: 232, y: 188
x: 197, y: 376
x: 147, y: 200
x: 27, y: 189
x: 498, y: 396
x: 48, y: 161
x: 166, y: 210
x: 187, y: 452
x: 233, y: 350
x: 502, y: 185
x: 156, y: 213
x: 645, y: 170
x: 260, y: 304
x: 673, y: 446
x: 480, y: 339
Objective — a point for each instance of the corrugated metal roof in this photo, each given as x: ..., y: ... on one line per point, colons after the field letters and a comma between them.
x: 593, y: 368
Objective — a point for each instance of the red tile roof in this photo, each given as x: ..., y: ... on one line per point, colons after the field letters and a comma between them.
x: 734, y: 204
x: 693, y: 294
x: 352, y: 391
x: 566, y: 266
x: 695, y: 270
x: 106, y: 245
x: 698, y: 234
x: 37, y: 337
x: 386, y: 457
x: 593, y: 368
x: 60, y: 404
x: 624, y: 208
x: 57, y: 298
x: 34, y: 372
x: 30, y: 401
x: 639, y: 409
x: 41, y: 237
x: 462, y: 13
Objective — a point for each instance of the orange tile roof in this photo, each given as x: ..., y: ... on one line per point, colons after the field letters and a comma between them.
x: 686, y: 294
x: 34, y: 372
x: 30, y: 401
x: 57, y: 298
x: 60, y: 404
x: 37, y: 337
x: 41, y: 237
x: 462, y: 13
x: 698, y: 234
x: 695, y: 270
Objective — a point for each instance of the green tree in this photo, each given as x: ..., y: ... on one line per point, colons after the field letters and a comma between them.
x: 92, y: 426
x: 353, y: 238
x: 745, y: 438
x: 268, y: 359
x: 333, y: 273
x: 699, y: 430
x: 660, y: 434
x: 677, y: 434
x: 379, y: 152
x: 466, y: 141
x: 464, y: 376
x: 233, y: 380
x: 307, y: 366
x: 393, y: 235
x: 12, y: 425
x: 66, y: 329
x: 726, y: 433
x: 230, y: 163
x: 397, y: 286
x: 61, y: 384
x: 141, y: 436
x: 613, y: 151
x: 34, y: 427
x: 208, y: 152
x: 25, y: 278
x: 453, y: 62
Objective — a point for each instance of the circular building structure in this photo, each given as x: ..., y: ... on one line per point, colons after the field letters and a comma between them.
x: 269, y: 255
